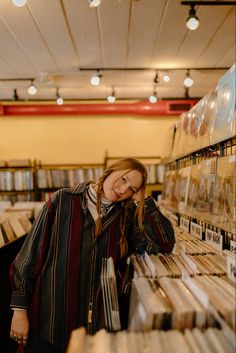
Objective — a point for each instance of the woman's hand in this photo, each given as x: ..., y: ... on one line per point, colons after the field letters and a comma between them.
x: 20, y: 326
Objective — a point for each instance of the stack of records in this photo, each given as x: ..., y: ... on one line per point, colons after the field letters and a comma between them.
x: 149, y: 306
x: 110, y: 297
x: 176, y: 265
x: 165, y: 304
x: 211, y: 340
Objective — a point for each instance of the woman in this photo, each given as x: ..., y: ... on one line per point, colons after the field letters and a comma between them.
x: 56, y: 275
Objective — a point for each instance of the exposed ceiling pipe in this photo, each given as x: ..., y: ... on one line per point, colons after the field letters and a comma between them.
x: 162, y: 107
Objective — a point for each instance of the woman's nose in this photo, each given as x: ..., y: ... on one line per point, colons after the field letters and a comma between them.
x: 123, y: 189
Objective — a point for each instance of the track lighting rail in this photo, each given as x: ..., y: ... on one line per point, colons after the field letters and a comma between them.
x: 209, y: 3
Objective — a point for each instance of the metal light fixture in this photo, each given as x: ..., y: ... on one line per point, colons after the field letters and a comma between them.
x: 94, y: 3
x: 156, y: 79
x: 15, y: 96
x: 188, y: 81
x: 153, y: 98
x: 112, y: 98
x: 60, y: 100
x: 186, y: 93
x: 193, y: 21
x: 96, y: 79
x: 19, y: 3
x: 32, y: 90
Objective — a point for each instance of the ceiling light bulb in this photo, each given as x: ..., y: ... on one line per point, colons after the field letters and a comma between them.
x: 192, y: 22
x: 153, y: 98
x: 19, y: 3
x: 95, y: 80
x: 166, y: 78
x: 111, y: 99
x: 188, y: 81
x: 94, y: 3
x: 60, y: 101
x: 32, y: 90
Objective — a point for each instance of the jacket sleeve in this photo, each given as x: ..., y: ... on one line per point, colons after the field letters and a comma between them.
x: 31, y: 258
x: 158, y: 235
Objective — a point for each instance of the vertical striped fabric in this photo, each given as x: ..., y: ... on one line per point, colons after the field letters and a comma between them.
x: 46, y: 273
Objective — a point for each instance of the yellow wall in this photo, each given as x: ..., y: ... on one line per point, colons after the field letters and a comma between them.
x: 82, y: 139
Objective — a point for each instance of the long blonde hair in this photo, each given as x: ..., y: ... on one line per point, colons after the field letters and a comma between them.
x: 123, y: 165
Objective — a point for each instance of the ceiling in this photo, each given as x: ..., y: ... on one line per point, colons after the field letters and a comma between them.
x: 60, y: 43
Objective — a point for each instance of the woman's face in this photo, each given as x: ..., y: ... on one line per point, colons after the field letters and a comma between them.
x: 121, y: 185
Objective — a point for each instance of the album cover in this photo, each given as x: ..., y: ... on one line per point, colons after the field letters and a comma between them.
x: 207, y: 119
x: 206, y: 197
x: 224, y: 125
x: 182, y: 148
x: 224, y: 207
x: 193, y: 189
x: 110, y: 297
x: 170, y: 197
x: 181, y: 188
x: 196, y: 125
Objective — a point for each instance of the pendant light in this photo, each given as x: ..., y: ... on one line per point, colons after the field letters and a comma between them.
x: 94, y: 3
x: 96, y: 79
x: 192, y: 22
x: 112, y: 98
x: 19, y: 3
x: 59, y: 99
x: 188, y: 81
x: 32, y: 90
x: 153, y: 98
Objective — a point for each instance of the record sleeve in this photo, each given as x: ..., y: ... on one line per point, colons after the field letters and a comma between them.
x: 224, y: 125
x: 182, y: 187
x: 110, y: 297
x: 207, y: 182
x: 207, y: 119
x: 193, y: 189
x: 196, y: 126
x: 224, y: 207
x: 170, y: 191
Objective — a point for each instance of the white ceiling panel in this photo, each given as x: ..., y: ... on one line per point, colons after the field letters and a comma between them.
x: 26, y: 35
x: 114, y: 32
x: 10, y: 50
x: 228, y: 58
x: 83, y: 23
x: 171, y: 36
x: 50, y: 20
x: 222, y: 41
x: 61, y: 43
x: 144, y: 24
x: 196, y: 43
x: 5, y: 69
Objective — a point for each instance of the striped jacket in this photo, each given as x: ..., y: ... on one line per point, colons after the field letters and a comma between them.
x: 56, y: 275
